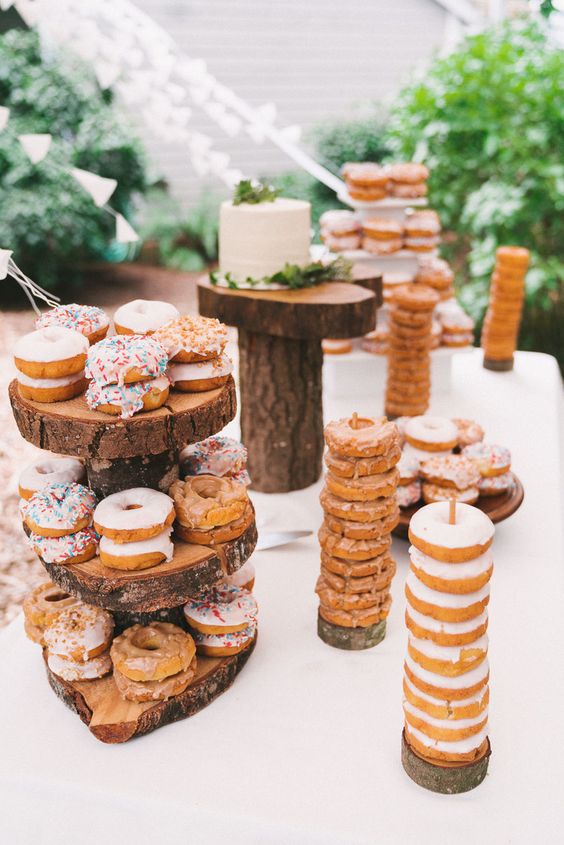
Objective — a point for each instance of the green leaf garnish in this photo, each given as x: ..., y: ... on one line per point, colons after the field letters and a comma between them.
x: 292, y: 276
x: 253, y: 192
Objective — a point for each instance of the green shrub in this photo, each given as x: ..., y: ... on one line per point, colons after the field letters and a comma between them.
x: 47, y: 219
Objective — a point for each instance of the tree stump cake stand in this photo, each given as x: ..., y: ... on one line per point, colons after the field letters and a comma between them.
x: 280, y: 366
x: 139, y: 452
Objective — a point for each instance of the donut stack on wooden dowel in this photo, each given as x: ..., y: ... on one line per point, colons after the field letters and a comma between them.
x: 408, y: 387
x: 445, y: 745
x: 360, y: 512
x: 503, y: 317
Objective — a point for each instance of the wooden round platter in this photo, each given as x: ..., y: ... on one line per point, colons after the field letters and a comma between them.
x: 497, y: 508
x: 446, y: 778
x: 112, y: 719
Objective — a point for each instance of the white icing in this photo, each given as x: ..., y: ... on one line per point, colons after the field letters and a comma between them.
x: 339, y: 243
x: 53, y: 343
x: 236, y: 639
x: 451, y: 571
x: 200, y: 370
x: 448, y: 653
x: 445, y: 600
x: 456, y: 682
x: 423, y: 454
x: 224, y: 605
x: 445, y: 724
x: 460, y: 746
x: 431, y: 430
x: 152, y: 509
x: 47, y: 471
x: 243, y: 576
x: 145, y: 315
x: 46, y: 383
x: 73, y: 670
x: 430, y: 241
x: 454, y: 704
x: 161, y: 543
x: 435, y: 626
x: 472, y: 526
x: 82, y: 628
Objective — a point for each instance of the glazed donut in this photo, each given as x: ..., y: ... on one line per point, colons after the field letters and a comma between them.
x: 408, y: 494
x: 490, y: 460
x: 466, y: 708
x: 363, y: 584
x: 51, y: 353
x: 134, y: 514
x: 80, y: 670
x: 364, y: 489
x: 447, y: 660
x: 205, y: 502
x: 339, y: 223
x: 338, y: 600
x: 359, y: 467
x: 218, y: 455
x: 333, y: 346
x: 49, y: 470
x: 468, y: 432
x: 123, y: 359
x: 494, y: 485
x: 52, y: 389
x: 437, y: 493
x: 243, y: 577
x: 445, y: 633
x: 338, y: 545
x: 408, y: 172
x: 140, y: 554
x: 221, y: 609
x: 221, y: 534
x: 432, y: 434
x: 128, y: 399
x: 152, y: 652
x: 87, y: 320
x: 360, y: 617
x: 453, y: 471
x: 415, y: 297
x: 361, y: 437
x: 59, y: 509
x: 143, y: 316
x: 431, y: 532
x: 160, y: 690
x: 200, y: 375
x: 80, y: 633
x: 42, y: 606
x: 369, y: 511
x: 451, y: 578
x: 68, y: 549
x: 453, y: 607
x: 189, y: 339
x: 359, y: 568
x: 225, y: 644
x: 362, y: 530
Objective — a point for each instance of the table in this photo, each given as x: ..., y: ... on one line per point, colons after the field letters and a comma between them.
x: 305, y: 747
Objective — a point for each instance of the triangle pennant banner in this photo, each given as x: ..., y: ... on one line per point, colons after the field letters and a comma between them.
x: 125, y: 233
x: 35, y: 147
x: 106, y: 73
x: 5, y: 255
x: 99, y: 188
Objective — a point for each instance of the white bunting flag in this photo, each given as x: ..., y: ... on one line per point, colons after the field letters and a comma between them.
x: 6, y: 4
x: 125, y: 233
x: 292, y: 133
x: 99, y: 188
x: 106, y: 73
x: 5, y: 255
x: 4, y: 117
x: 36, y: 147
x: 29, y: 11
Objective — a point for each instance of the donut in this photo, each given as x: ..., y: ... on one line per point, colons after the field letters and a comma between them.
x: 441, y: 493
x: 340, y: 243
x: 160, y: 690
x: 225, y: 644
x: 222, y: 608
x: 424, y: 454
x: 363, y: 489
x: 495, y: 485
x: 466, y: 750
x: 51, y: 353
x: 403, y: 190
x: 409, y: 172
x: 42, y: 606
x: 448, y: 578
x: 445, y: 607
x: 336, y: 347
x: 217, y: 455
x: 339, y: 223
x: 52, y: 389
x: 432, y: 434
x: 339, y: 600
x: 59, y: 509
x: 80, y: 670
x: 200, y: 375
x: 191, y: 339
x: 445, y: 633
x: 466, y: 708
x: 352, y: 584
x: 422, y: 224
x: 513, y: 256
x: 210, y: 510
x: 408, y: 494
x: 143, y: 316
x: 362, y: 530
x: 359, y: 617
x: 139, y: 554
x: 243, y: 577
x: 80, y: 633
x: 360, y: 467
x: 134, y: 514
x: 471, y: 535
x: 490, y: 460
x: 152, y: 652
x: 454, y: 688
x: 87, y: 320
x: 68, y: 549
x: 368, y: 511
x: 415, y: 297
x: 444, y: 730
x: 128, y: 399
x: 366, y: 181
x: 361, y: 437
x: 123, y: 359
x: 49, y: 470
x: 447, y: 660
x: 468, y: 431
x: 359, y: 568
x: 435, y: 272
x: 408, y: 468
x: 338, y: 545
x: 453, y: 471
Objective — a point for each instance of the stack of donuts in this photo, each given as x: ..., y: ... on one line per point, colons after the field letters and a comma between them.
x: 58, y: 519
x: 437, y: 274
x: 340, y: 230
x: 360, y: 512
x: 195, y: 348
x: 222, y: 619
x: 446, y: 669
x: 50, y: 363
x: 135, y: 527
x: 78, y: 642
x: 503, y: 317
x: 217, y: 455
x: 211, y: 510
x: 408, y: 386
x: 41, y: 608
x: 368, y: 182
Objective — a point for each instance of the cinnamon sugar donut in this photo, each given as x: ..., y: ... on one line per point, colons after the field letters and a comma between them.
x: 143, y: 316
x: 210, y: 509
x: 190, y: 339
x: 48, y: 470
x: 200, y: 375
x: 134, y: 514
x: 152, y: 652
x: 87, y: 320
x: 59, y: 509
x: 123, y: 359
x: 361, y: 437
x: 80, y: 633
x: 51, y: 353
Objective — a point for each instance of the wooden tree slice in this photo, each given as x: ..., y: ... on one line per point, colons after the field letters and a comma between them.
x: 155, y: 471
x: 125, y: 619
x: 350, y: 639
x: 370, y: 279
x: 112, y: 719
x: 498, y: 366
x: 167, y: 585
x: 72, y: 428
x: 449, y: 779
x: 332, y: 309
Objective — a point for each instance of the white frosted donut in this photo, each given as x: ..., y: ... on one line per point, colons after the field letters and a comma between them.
x: 455, y: 682
x: 491, y: 460
x: 86, y: 319
x: 66, y: 548
x: 459, y: 704
x: 449, y: 653
x: 408, y: 494
x: 243, y: 576
x: 112, y: 359
x: 199, y: 370
x: 451, y: 571
x: 141, y: 316
x: 48, y: 470
x: 455, y: 601
x: 459, y: 746
x: 408, y: 466
x: 453, y: 629
x: 159, y: 543
x: 128, y: 397
x: 340, y: 243
x: 430, y: 526
x: 80, y: 633
x: 60, y: 507
x: 226, y: 642
x: 53, y: 343
x: 217, y: 455
x: 495, y: 484
x: 423, y: 454
x: 46, y: 383
x: 138, y: 509
x: 223, y: 606
x: 476, y: 722
x: 78, y: 670
x: 434, y: 432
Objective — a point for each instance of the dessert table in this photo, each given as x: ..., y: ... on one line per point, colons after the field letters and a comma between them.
x: 305, y: 747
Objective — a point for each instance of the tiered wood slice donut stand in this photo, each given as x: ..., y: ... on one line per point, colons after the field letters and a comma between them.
x: 139, y: 452
x: 280, y: 366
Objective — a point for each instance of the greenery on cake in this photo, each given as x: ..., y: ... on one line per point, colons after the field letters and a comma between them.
x: 293, y: 276
x: 252, y: 192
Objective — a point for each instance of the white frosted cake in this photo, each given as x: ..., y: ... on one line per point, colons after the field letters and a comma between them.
x: 257, y: 240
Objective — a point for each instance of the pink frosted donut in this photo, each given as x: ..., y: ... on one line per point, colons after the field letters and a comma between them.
x: 49, y: 470
x: 143, y: 316
x: 220, y: 610
x: 79, y: 670
x: 70, y: 548
x: 494, y: 485
x: 217, y: 455
x: 128, y: 399
x: 87, y: 320
x: 60, y: 509
x: 125, y: 358
x: 490, y: 460
x: 218, y: 645
x: 408, y: 494
x: 80, y: 633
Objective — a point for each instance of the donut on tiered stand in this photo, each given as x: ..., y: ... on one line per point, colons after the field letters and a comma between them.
x: 143, y: 316
x: 50, y: 364
x: 87, y: 320
x: 503, y: 317
x: 195, y: 347
x: 58, y: 519
x: 445, y: 746
x: 219, y: 455
x: 360, y: 512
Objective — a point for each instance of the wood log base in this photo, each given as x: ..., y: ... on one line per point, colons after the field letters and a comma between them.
x: 448, y: 779
x: 350, y: 639
x: 498, y: 366
x: 112, y: 719
x: 167, y: 585
x: 110, y: 476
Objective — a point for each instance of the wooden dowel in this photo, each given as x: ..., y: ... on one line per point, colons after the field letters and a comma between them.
x: 354, y: 420
x: 452, y: 511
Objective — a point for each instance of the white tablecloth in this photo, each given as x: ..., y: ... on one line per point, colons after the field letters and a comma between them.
x: 305, y: 747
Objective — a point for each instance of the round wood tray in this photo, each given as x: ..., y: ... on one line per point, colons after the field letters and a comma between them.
x: 193, y: 568
x: 112, y: 719
x: 72, y: 428
x: 497, y: 508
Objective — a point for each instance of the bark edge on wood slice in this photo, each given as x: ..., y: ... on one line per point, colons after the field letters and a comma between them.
x: 449, y: 779
x: 71, y: 428
x: 106, y: 476
x: 350, y: 639
x: 498, y: 366
x: 113, y: 720
x: 166, y: 585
